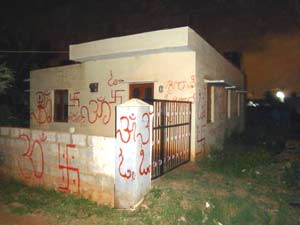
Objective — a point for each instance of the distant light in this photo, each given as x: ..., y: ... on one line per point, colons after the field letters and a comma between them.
x: 280, y: 95
x: 252, y: 104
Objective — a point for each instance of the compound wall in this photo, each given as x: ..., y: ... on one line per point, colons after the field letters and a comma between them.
x: 74, y: 163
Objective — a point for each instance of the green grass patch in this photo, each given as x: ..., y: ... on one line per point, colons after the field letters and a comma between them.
x: 209, y: 198
x: 291, y: 174
x: 51, y: 202
x: 241, y: 183
x: 236, y: 160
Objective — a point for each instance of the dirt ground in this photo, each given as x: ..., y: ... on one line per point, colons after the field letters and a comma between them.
x: 8, y: 218
x: 292, y: 149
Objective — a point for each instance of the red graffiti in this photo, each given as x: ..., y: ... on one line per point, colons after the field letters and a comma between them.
x: 177, y: 90
x: 129, y: 174
x: 96, y: 110
x: 75, y: 117
x: 202, y: 102
x: 34, y: 156
x: 43, y: 114
x: 126, y: 132
x: 175, y: 85
x: 201, y: 114
x: 145, y: 118
x: 146, y: 170
x: 180, y: 98
x: 115, y: 96
x: 67, y: 169
x: 130, y: 126
x: 74, y: 99
x: 113, y: 82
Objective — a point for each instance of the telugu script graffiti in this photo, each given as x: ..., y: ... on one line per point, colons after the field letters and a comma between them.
x: 129, y: 128
x: 31, y: 161
x: 181, y: 90
x: 146, y: 170
x: 43, y: 113
x: 201, y: 114
x: 112, y: 81
x: 98, y: 108
x: 130, y: 132
x: 129, y: 174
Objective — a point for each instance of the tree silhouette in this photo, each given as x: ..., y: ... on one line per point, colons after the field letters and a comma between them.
x: 6, y: 78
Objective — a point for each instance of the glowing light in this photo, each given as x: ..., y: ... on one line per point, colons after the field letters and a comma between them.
x: 280, y: 95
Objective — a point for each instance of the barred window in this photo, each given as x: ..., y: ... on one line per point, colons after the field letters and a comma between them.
x: 61, y: 105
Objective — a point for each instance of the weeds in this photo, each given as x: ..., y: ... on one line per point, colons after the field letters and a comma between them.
x: 2, y: 159
x: 30, y: 199
x: 291, y: 175
x: 206, y: 199
x: 156, y: 192
x: 237, y: 161
x: 244, y: 154
x: 246, y: 189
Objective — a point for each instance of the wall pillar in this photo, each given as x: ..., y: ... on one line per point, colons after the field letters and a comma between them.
x: 133, y: 158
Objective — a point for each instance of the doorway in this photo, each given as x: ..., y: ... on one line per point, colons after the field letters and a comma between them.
x: 142, y: 91
x: 171, y: 129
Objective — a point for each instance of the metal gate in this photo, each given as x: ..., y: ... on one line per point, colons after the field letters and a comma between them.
x: 171, y: 135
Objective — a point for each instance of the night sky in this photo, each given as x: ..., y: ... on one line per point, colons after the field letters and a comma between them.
x: 265, y: 32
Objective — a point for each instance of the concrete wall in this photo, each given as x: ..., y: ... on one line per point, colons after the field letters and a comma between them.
x: 211, y: 65
x: 74, y: 163
x: 94, y: 113
x: 178, y: 66
x: 138, y: 44
x: 134, y: 146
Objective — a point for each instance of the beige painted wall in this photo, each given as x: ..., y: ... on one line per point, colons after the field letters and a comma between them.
x: 172, y: 70
x: 142, y: 43
x: 211, y: 65
x: 181, y: 72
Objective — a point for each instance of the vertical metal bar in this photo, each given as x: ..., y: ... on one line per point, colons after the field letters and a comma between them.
x: 171, y: 136
x: 190, y: 130
x: 187, y: 133
x: 115, y: 121
x: 153, y: 158
x: 171, y: 119
x: 184, y: 133
x: 171, y: 132
x: 176, y: 134
x: 162, y: 136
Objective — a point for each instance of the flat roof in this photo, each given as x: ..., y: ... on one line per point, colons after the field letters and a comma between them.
x: 182, y: 39
x: 169, y: 40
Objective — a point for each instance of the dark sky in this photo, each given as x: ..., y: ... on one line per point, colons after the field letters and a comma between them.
x: 266, y: 32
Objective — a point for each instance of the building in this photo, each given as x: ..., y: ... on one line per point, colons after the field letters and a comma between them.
x: 173, y: 64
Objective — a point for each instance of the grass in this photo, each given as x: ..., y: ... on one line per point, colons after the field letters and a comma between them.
x: 291, y: 174
x: 32, y: 199
x: 242, y: 183
x: 177, y: 198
